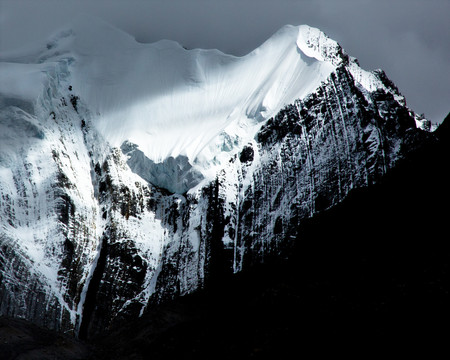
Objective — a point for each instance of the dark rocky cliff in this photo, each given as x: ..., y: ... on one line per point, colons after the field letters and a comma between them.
x: 303, y: 161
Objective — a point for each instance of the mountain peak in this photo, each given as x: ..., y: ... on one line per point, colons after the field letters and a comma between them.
x: 171, y: 102
x: 166, y: 94
x: 316, y: 44
x: 310, y: 41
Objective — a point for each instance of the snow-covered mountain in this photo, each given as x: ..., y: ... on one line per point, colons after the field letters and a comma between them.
x: 133, y: 173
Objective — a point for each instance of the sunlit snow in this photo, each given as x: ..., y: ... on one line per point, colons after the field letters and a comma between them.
x: 170, y: 101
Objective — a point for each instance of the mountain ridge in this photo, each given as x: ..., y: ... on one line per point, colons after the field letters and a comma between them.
x: 98, y: 229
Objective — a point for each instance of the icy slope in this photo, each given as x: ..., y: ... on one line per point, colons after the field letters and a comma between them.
x: 170, y: 101
x: 202, y: 105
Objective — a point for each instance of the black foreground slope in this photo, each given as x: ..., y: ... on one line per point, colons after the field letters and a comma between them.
x: 20, y: 339
x: 374, y: 268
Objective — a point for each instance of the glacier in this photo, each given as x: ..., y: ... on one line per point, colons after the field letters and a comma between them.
x: 133, y: 173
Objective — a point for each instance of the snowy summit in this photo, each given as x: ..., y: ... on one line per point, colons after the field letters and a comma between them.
x: 170, y: 101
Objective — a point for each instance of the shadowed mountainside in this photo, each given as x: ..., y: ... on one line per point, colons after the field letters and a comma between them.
x: 374, y: 268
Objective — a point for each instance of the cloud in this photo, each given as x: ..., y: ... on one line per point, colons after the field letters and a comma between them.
x: 406, y: 38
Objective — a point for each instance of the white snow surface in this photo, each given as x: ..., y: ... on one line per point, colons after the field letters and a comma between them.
x: 21, y: 80
x: 171, y: 101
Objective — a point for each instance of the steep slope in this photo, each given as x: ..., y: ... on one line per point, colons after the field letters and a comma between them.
x: 381, y: 290
x: 134, y: 173
x: 369, y: 273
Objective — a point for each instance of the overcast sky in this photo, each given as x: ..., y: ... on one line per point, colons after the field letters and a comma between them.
x: 409, y: 39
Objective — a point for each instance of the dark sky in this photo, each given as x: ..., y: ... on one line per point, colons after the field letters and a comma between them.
x: 409, y: 39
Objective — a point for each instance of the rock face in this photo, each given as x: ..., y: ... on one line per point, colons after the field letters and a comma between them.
x: 93, y: 234
x: 303, y: 161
